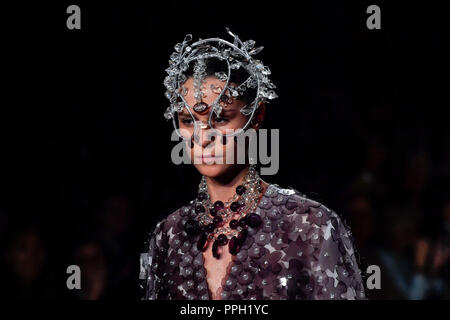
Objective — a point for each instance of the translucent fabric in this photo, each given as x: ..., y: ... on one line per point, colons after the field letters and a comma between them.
x: 303, y: 250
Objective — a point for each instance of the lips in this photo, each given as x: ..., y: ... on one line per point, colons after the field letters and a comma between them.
x: 209, y: 158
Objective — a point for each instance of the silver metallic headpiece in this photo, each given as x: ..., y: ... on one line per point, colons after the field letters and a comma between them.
x: 236, y: 55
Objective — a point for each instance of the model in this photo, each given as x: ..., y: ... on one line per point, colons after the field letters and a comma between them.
x: 241, y: 238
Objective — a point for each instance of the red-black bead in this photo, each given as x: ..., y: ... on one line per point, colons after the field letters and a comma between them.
x: 210, y: 227
x: 218, y: 205
x: 201, y: 242
x: 222, y: 240
x: 234, y: 224
x: 235, y: 206
x: 254, y: 220
x: 240, y: 190
x: 199, y: 208
x: 234, y: 246
x: 242, y: 236
x: 201, y: 196
x: 217, y: 220
x: 191, y: 227
x: 200, y: 107
x: 213, y: 212
x: 215, y: 250
x: 243, y: 222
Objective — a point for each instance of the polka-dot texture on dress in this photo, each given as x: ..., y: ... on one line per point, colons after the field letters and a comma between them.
x: 302, y: 250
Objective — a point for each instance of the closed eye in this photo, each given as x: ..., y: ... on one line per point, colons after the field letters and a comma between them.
x: 187, y: 121
x: 221, y: 120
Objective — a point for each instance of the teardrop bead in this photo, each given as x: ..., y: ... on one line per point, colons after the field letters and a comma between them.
x: 234, y: 246
x: 242, y: 236
x: 222, y: 240
x: 201, y: 242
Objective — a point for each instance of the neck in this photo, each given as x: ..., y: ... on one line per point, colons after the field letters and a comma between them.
x: 223, y: 188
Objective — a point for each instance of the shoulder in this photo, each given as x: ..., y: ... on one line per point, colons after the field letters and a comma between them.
x: 172, y: 224
x: 322, y: 238
x: 299, y: 214
x: 291, y: 201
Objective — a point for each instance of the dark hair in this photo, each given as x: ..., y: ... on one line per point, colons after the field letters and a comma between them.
x: 238, y: 76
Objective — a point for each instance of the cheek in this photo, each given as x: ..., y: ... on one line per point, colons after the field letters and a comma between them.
x: 228, y: 147
x: 239, y: 121
x: 232, y: 147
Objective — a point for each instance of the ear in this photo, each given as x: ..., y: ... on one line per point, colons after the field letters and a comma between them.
x: 258, y: 118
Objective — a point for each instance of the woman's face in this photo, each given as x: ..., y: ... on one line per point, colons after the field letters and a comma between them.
x: 209, y: 154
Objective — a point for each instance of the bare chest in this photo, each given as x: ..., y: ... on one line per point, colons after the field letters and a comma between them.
x: 217, y: 270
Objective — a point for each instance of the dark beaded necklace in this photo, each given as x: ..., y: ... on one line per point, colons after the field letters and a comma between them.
x: 211, y: 219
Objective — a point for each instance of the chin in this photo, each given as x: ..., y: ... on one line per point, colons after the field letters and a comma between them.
x: 214, y: 170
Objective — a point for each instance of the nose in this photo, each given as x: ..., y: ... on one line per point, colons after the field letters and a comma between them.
x: 203, y: 134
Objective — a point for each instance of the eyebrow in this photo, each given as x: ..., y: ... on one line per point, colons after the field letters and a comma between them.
x: 184, y: 113
x: 225, y: 111
x: 229, y: 111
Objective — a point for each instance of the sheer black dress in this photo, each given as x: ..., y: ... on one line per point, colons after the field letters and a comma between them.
x: 302, y: 250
